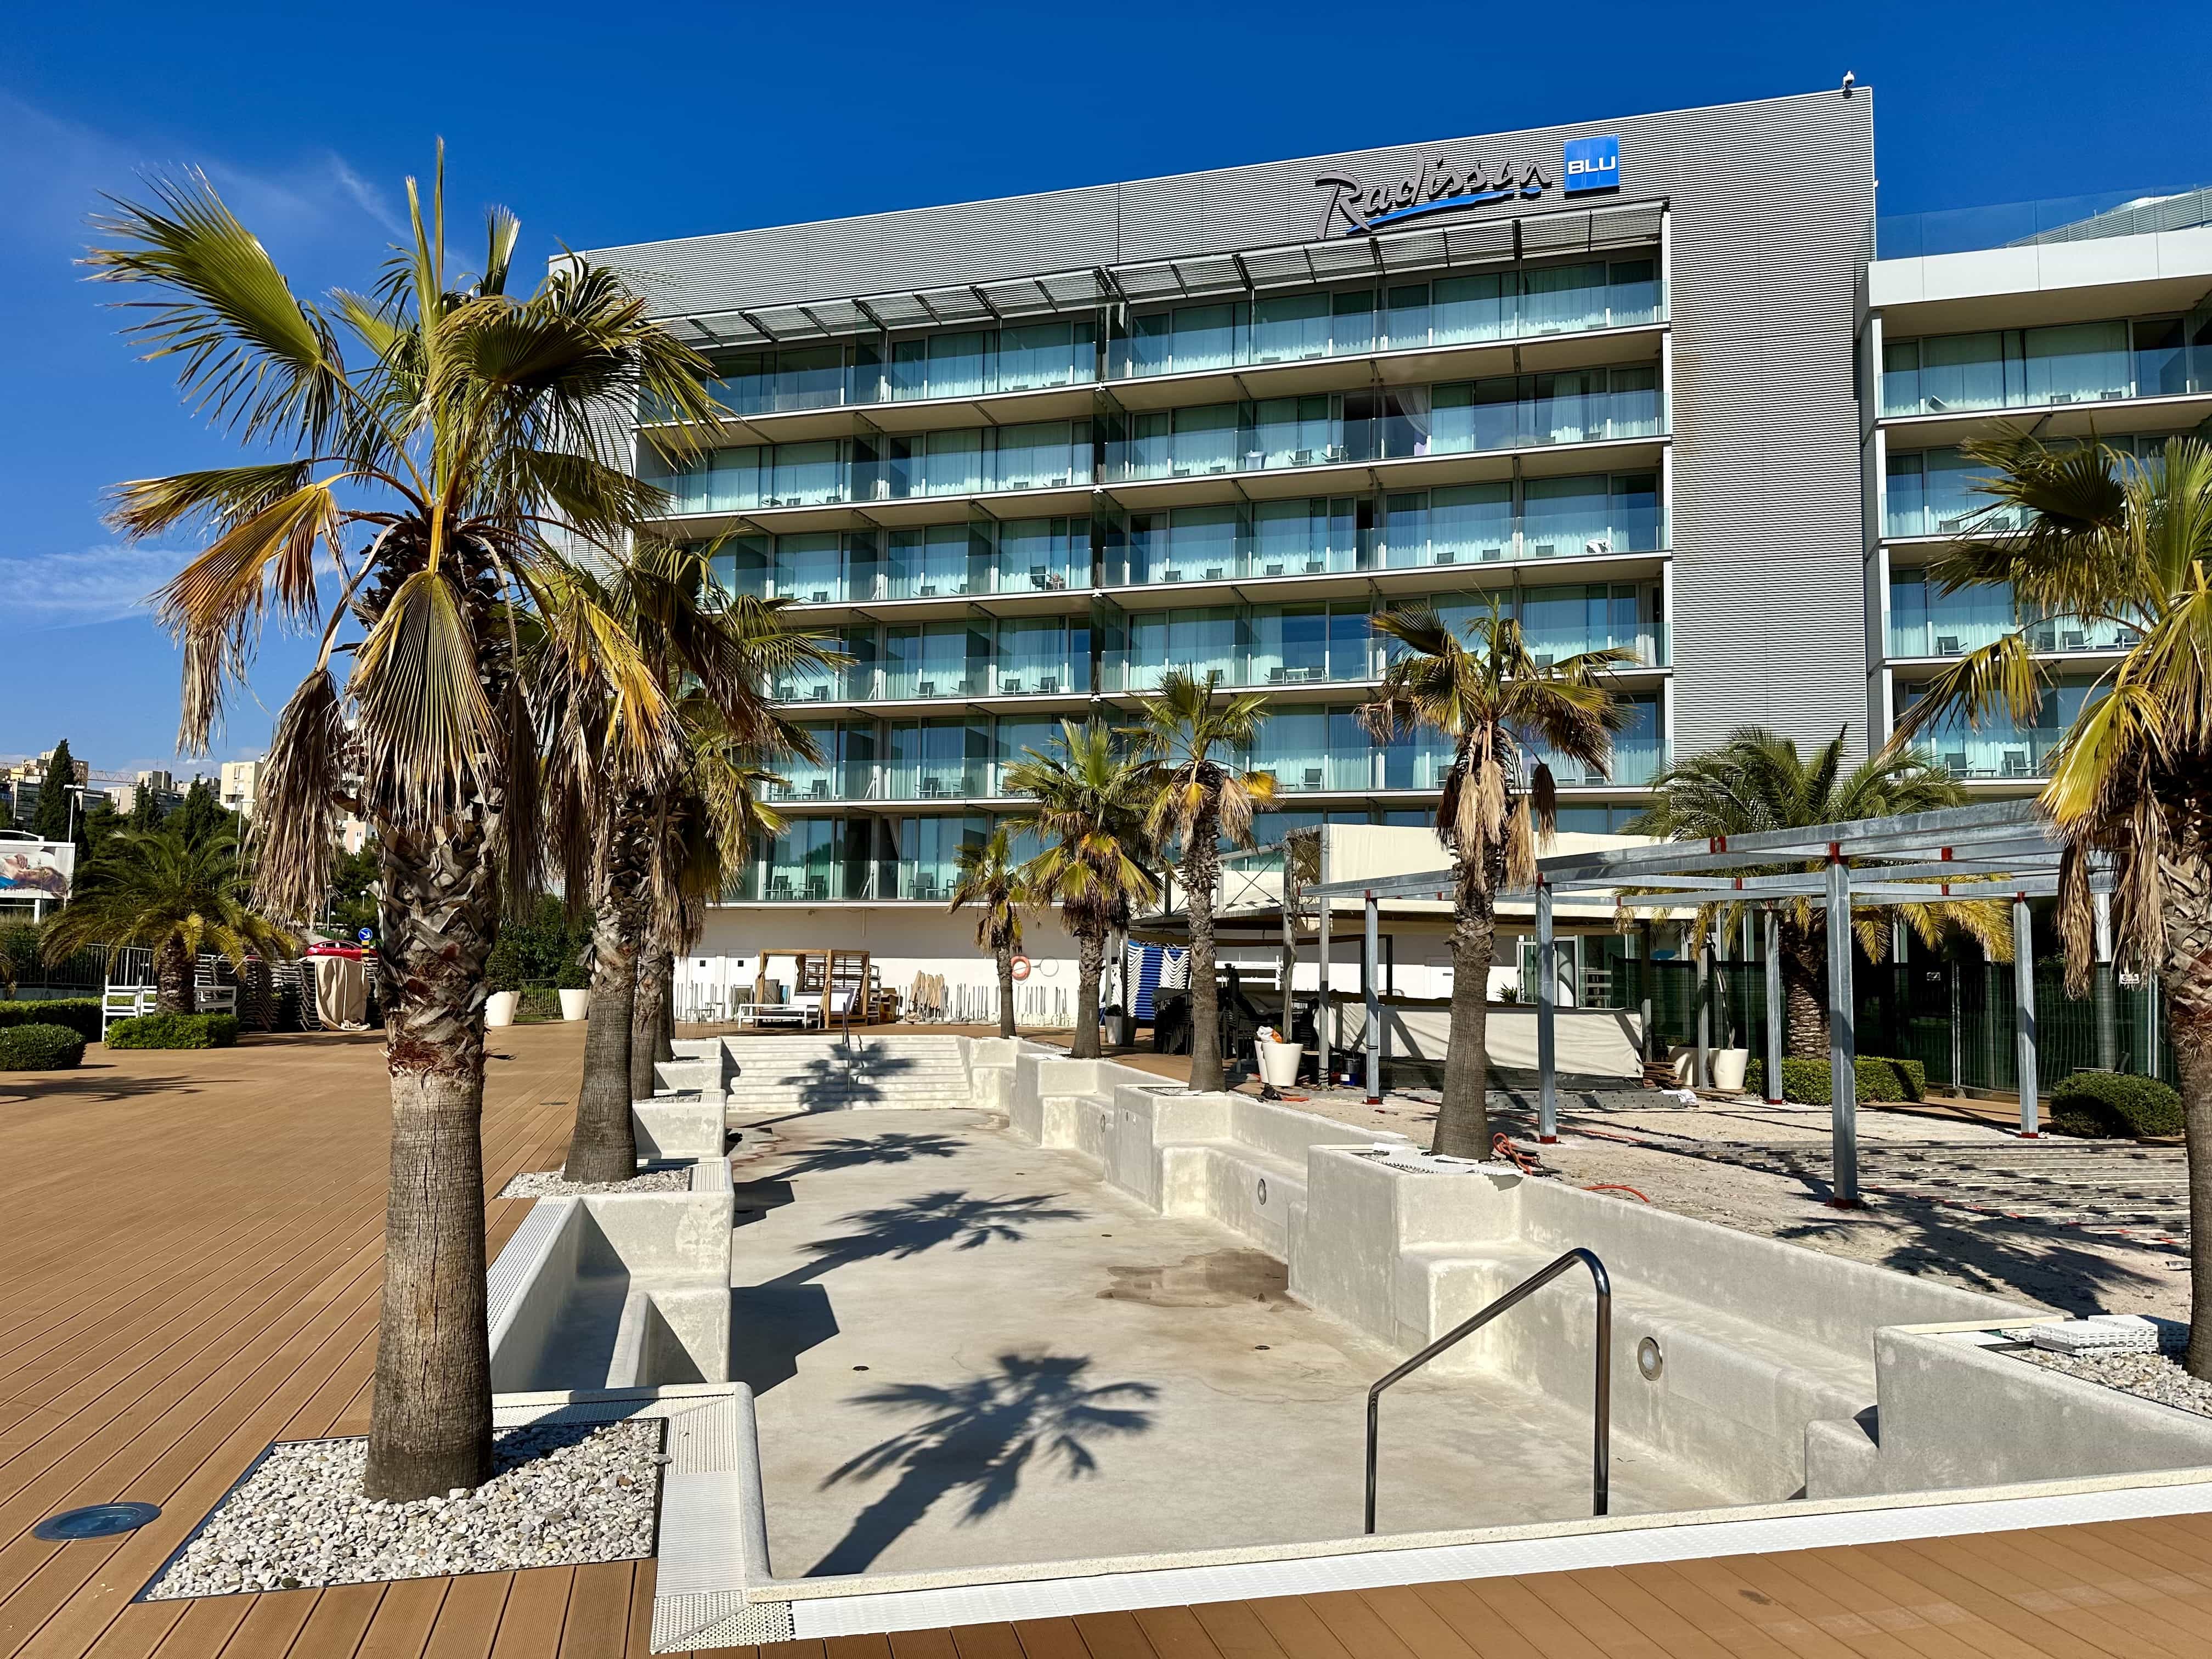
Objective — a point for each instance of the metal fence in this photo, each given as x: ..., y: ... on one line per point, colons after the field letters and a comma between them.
x: 1955, y: 1015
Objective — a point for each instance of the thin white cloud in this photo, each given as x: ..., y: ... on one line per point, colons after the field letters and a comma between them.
x: 96, y: 585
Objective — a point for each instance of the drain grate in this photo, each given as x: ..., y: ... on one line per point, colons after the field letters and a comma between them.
x: 94, y: 1520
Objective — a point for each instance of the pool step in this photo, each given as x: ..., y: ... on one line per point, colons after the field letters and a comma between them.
x: 822, y: 1073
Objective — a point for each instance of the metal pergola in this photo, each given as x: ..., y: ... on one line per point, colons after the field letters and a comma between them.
x: 2002, y: 850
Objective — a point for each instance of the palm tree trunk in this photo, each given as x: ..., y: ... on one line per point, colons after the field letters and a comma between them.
x: 1201, y: 857
x: 173, y: 978
x: 1804, y: 985
x: 1090, y: 964
x: 1005, y: 954
x: 663, y: 1036
x: 2186, y: 978
x: 603, y: 1145
x: 646, y: 1019
x: 430, y: 1425
x: 1464, y: 1114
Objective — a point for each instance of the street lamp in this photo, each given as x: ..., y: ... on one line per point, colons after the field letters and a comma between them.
x: 75, y: 793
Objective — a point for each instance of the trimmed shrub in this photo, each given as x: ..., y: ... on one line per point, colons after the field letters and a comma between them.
x: 2113, y: 1105
x: 79, y: 1014
x: 40, y: 1048
x: 1806, y: 1081
x: 175, y: 1031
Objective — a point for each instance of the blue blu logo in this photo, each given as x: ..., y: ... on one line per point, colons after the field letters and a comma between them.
x: 1592, y: 164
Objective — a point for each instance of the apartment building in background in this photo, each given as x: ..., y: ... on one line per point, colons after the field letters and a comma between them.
x: 1638, y: 383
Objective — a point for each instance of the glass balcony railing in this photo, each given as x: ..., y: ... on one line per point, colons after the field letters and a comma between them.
x: 1636, y: 760
x: 1515, y: 412
x: 1452, y: 311
x: 2052, y: 219
x: 1990, y: 380
x: 1956, y: 635
x: 1992, y: 752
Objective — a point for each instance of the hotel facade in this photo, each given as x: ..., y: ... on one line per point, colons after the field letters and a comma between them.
x: 1639, y: 383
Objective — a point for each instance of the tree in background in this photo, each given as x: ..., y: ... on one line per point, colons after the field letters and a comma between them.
x: 50, y: 820
x: 147, y: 811
x: 202, y: 814
x: 1197, y: 801
x: 2084, y: 531
x: 437, y: 453
x: 173, y: 894
x: 1502, y: 713
x: 352, y: 901
x: 991, y: 884
x: 1757, y: 780
x: 1089, y: 811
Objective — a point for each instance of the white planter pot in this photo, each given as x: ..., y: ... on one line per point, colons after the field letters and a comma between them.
x: 1729, y: 1066
x: 1278, y: 1063
x: 575, y: 1004
x: 498, y: 1008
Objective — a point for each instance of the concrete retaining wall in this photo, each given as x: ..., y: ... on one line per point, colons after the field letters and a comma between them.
x: 1955, y: 1414
x: 616, y: 1291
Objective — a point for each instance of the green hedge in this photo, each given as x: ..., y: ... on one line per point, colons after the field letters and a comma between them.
x: 175, y: 1031
x: 38, y: 1047
x: 79, y: 1014
x: 1806, y: 1081
x: 2113, y: 1105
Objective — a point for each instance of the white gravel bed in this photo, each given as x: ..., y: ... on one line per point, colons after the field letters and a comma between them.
x: 564, y: 1494
x: 2151, y: 1376
x: 551, y: 1183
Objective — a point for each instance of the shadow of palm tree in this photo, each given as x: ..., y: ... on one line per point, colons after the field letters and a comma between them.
x: 916, y: 1225
x: 977, y: 1437
x: 847, y: 1151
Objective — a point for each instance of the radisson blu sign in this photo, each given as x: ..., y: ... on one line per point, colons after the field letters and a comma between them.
x: 1590, y: 166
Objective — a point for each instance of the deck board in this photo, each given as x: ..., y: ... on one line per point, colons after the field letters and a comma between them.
x: 156, y: 1361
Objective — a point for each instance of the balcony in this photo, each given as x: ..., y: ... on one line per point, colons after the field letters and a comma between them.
x: 1421, y: 316
x: 2043, y: 368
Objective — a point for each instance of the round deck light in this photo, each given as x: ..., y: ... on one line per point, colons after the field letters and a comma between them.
x: 1649, y: 1359
x: 94, y: 1520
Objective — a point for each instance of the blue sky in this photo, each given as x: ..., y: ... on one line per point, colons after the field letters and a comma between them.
x: 603, y: 125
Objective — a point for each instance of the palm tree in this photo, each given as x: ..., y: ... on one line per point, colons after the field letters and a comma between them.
x: 1487, y: 694
x: 989, y: 881
x: 2103, y: 536
x: 1197, y: 801
x: 621, y: 826
x: 1090, y: 803
x: 175, y: 894
x: 703, y: 830
x: 443, y: 456
x: 1757, y: 780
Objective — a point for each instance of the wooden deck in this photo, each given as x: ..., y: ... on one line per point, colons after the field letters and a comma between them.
x: 192, y: 1259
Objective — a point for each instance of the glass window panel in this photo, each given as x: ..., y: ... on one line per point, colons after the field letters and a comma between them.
x: 1466, y: 309
x: 928, y: 563
x: 811, y: 568
x: 1953, y: 504
x: 1201, y: 642
x: 1205, y: 439
x: 956, y: 364
x: 1044, y: 354
x: 1562, y: 297
x: 2078, y: 362
x: 1291, y: 539
x: 1906, y: 489
x: 953, y: 464
x: 1296, y: 432
x: 1349, y: 633
x: 1043, y: 455
x: 810, y: 377
x: 807, y: 475
x: 1205, y: 337
x: 1150, y: 347
x: 1200, y: 544
x: 741, y: 566
x: 1351, y: 322
x: 1033, y: 657
x: 1405, y: 321
x: 1632, y: 292
x: 1289, y: 326
x: 1472, y: 523
x: 1962, y: 371
x: 1041, y: 554
x: 1901, y: 377
x: 1293, y: 744
x: 1635, y: 526
x: 910, y: 375
x: 1290, y: 646
x: 1350, y: 751
x: 1566, y: 515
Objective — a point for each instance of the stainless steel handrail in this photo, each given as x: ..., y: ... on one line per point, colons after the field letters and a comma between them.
x: 1602, y: 1436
